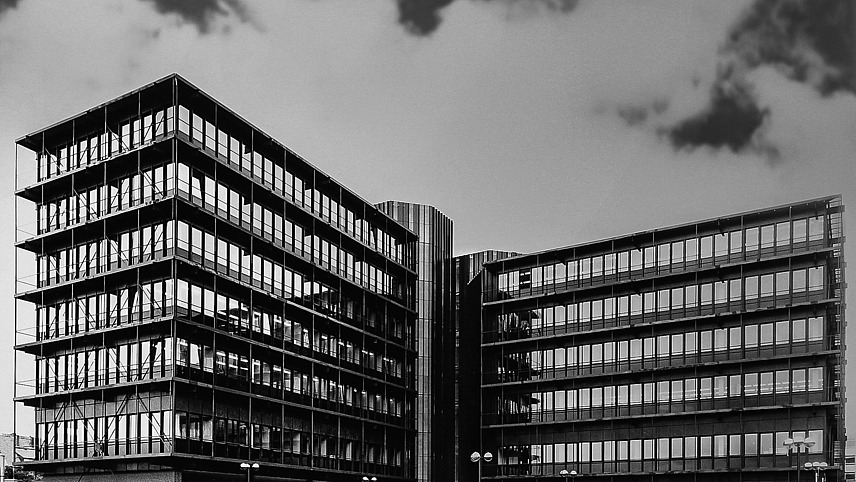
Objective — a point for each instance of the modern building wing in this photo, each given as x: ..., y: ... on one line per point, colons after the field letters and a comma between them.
x: 707, y: 351
x: 202, y: 296
x: 435, y: 338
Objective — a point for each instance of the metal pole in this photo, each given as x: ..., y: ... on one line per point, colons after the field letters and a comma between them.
x: 798, y: 464
x: 480, y: 470
x: 3, y: 473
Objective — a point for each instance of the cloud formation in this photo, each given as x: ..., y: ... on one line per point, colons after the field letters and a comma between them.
x: 201, y: 13
x: 422, y: 17
x: 807, y: 41
x: 7, y: 4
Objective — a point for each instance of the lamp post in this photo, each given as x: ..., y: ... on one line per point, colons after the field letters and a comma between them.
x: 565, y: 474
x: 476, y: 457
x: 798, y: 444
x: 817, y: 467
x: 249, y: 469
x: 367, y: 479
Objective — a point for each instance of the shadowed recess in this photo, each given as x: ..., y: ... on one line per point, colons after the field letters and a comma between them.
x: 422, y: 17
x: 201, y: 13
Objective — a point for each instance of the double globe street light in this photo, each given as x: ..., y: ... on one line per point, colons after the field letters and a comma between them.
x: 565, y: 474
x: 792, y: 444
x: 477, y: 458
x: 249, y: 469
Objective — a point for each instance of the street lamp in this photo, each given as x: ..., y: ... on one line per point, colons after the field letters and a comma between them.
x: 249, y: 469
x: 366, y: 479
x: 798, y: 444
x: 564, y: 473
x: 476, y: 457
x: 817, y: 467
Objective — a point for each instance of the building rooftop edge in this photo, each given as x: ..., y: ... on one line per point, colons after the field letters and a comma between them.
x: 524, y: 256
x: 178, y: 77
x: 415, y: 204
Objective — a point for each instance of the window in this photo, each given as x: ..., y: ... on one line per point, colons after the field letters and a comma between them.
x: 781, y: 449
x: 734, y: 445
x: 750, y: 444
x: 750, y: 386
x: 767, y: 236
x: 720, y: 386
x: 766, y: 334
x: 706, y: 340
x: 705, y: 446
x: 783, y: 233
x: 815, y: 329
x: 766, y: 444
x: 720, y: 339
x: 706, y: 247
x: 734, y: 339
x: 736, y: 238
x: 783, y: 285
x: 734, y: 385
x: 766, y: 383
x: 782, y: 332
x: 798, y: 330
x: 817, y: 436
x: 751, y: 287
x: 690, y: 389
x: 782, y: 381
x: 799, y: 381
x: 815, y: 278
x: 750, y: 334
x: 690, y: 447
x: 815, y: 228
x: 799, y: 280
x: 800, y: 231
x: 815, y: 378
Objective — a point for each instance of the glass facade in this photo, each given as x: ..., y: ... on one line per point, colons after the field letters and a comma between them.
x: 434, y: 337
x: 202, y: 296
x: 684, y: 351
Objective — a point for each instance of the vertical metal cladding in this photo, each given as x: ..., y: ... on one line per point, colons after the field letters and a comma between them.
x: 435, y: 417
x: 204, y: 297
x: 712, y: 351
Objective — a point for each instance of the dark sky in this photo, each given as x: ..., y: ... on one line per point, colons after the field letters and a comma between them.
x: 531, y: 123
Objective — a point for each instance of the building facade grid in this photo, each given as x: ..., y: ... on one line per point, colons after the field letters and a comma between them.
x: 205, y: 296
x: 685, y: 350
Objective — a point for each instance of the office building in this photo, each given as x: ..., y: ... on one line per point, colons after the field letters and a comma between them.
x: 435, y: 338
x: 707, y: 351
x: 202, y: 297
x: 193, y: 295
